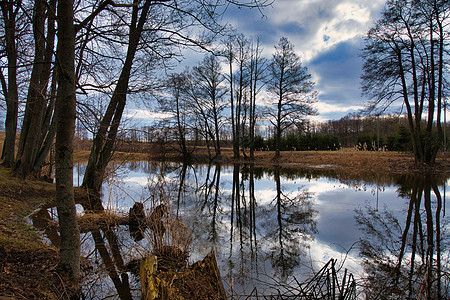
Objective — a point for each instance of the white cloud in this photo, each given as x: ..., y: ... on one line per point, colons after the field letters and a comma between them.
x: 145, y: 114
x: 323, y: 24
x: 329, y: 111
x: 326, y: 108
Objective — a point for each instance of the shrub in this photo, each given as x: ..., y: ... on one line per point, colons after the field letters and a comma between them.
x: 296, y: 142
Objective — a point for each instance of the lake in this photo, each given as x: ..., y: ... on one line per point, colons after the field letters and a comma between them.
x: 273, y: 227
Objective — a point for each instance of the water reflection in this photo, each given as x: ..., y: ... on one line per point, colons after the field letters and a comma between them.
x: 269, y: 225
x: 112, y: 261
x: 410, y: 259
x: 296, y: 226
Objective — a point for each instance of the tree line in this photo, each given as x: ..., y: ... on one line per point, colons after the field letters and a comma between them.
x: 205, y: 101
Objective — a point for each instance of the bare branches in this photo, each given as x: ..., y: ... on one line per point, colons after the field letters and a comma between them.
x: 291, y: 84
x: 404, y: 58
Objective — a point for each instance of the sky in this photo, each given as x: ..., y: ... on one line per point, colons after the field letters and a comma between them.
x: 326, y: 34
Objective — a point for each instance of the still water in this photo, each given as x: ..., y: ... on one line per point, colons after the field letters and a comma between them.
x: 273, y: 227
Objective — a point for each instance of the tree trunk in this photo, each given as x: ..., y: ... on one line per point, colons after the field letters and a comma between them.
x: 251, y: 113
x: 278, y: 129
x: 69, y: 255
x: 105, y: 137
x: 36, y: 106
x: 216, y: 129
x: 181, y: 128
x: 11, y: 94
x: 48, y: 132
x: 233, y: 119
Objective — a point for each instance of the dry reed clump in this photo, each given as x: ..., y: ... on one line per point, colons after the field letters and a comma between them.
x: 170, y: 239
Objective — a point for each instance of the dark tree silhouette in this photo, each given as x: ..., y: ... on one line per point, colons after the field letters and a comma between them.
x: 292, y: 85
x: 405, y: 61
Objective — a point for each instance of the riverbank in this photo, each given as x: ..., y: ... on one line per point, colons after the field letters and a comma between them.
x: 346, y: 161
x: 27, y: 265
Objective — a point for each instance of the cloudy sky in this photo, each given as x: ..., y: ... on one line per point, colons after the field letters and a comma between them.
x: 327, y: 35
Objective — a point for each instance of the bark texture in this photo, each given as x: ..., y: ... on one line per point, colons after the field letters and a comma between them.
x: 65, y: 113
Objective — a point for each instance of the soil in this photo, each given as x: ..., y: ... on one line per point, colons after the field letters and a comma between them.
x: 28, y: 266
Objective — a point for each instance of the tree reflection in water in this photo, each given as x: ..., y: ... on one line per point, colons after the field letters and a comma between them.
x: 112, y: 261
x: 261, y: 223
x: 295, y: 226
x: 407, y: 261
x: 227, y: 215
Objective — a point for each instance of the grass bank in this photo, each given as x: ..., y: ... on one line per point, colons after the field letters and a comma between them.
x: 347, y: 161
x: 27, y: 265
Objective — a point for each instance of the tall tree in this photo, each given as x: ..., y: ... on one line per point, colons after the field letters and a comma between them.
x: 242, y: 84
x: 291, y: 83
x: 207, y: 95
x: 405, y: 55
x: 257, y: 70
x: 9, y: 10
x: 69, y: 253
x: 176, y: 104
x: 229, y: 54
x: 172, y: 24
x: 34, y: 143
x: 105, y: 137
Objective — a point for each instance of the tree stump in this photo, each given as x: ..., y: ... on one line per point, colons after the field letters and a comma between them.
x: 137, y: 221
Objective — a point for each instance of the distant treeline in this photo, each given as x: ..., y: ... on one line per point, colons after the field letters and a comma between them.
x: 300, y: 142
x: 388, y: 132
x: 400, y: 141
x: 352, y: 131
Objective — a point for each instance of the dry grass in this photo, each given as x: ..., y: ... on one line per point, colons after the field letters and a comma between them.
x: 27, y: 266
x: 19, y: 198
x: 349, y: 161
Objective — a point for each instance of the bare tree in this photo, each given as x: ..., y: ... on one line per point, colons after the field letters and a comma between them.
x: 230, y: 55
x: 257, y: 71
x: 10, y: 12
x: 173, y: 23
x: 290, y: 82
x: 35, y: 142
x: 105, y: 137
x: 242, y: 84
x: 405, y: 56
x: 177, y: 105
x: 207, y: 92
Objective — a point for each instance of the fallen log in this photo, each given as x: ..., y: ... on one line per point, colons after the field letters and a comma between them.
x: 93, y: 221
